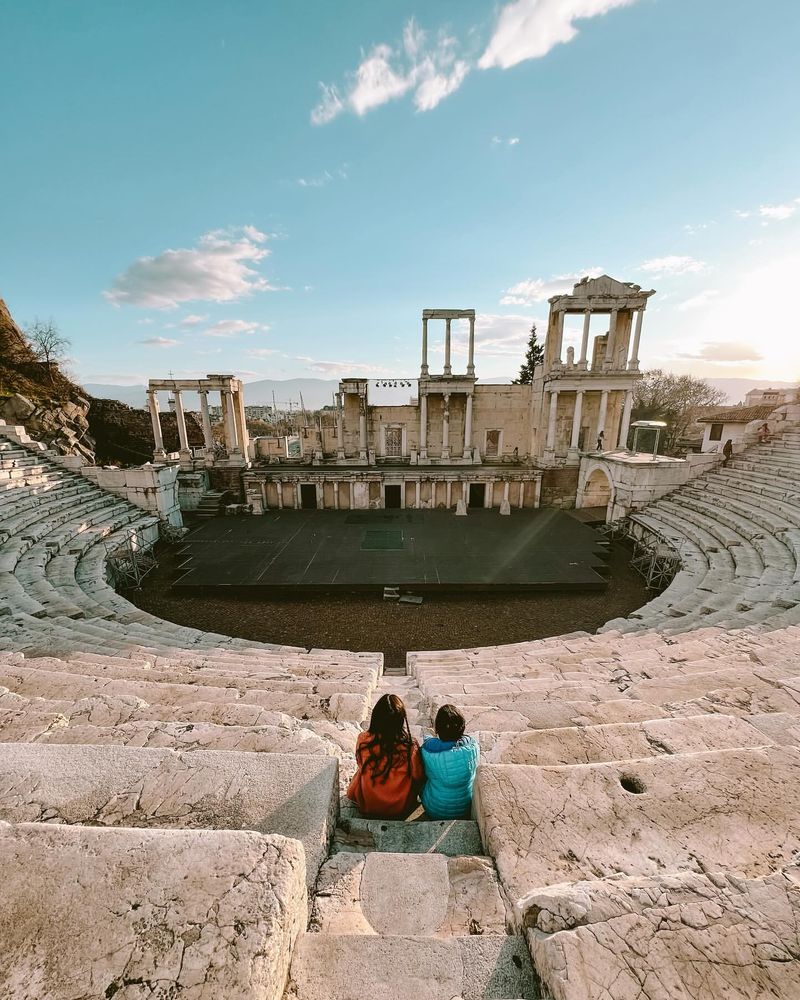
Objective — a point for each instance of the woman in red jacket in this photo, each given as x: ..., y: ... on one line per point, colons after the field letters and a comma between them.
x: 390, y: 772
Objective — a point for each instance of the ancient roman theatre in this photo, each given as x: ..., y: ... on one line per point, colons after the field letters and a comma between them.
x: 172, y: 818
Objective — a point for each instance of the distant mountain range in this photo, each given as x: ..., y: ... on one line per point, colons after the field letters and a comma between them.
x: 318, y: 392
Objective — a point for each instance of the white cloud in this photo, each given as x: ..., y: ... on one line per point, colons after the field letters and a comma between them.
x: 673, y: 266
x: 779, y: 213
x: 261, y: 352
x: 159, y: 342
x: 145, y: 322
x: 724, y: 352
x: 192, y: 320
x: 699, y: 301
x: 529, y: 29
x: 429, y: 70
x: 698, y: 227
x: 532, y: 290
x: 497, y: 334
x: 232, y: 327
x: 219, y: 269
x: 512, y: 141
x: 342, y: 367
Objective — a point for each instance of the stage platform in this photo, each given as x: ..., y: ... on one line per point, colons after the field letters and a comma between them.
x: 419, y: 550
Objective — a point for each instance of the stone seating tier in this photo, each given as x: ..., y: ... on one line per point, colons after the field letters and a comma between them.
x: 198, y: 914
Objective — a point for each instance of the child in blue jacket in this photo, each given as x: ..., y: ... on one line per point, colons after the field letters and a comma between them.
x: 451, y: 760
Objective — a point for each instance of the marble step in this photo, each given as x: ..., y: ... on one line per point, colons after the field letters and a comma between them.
x: 450, y: 837
x: 352, y: 967
x: 400, y: 894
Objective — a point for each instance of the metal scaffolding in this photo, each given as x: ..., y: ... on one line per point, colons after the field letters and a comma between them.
x: 129, y: 561
x: 654, y: 558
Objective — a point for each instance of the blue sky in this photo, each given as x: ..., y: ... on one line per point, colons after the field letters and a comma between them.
x: 278, y: 189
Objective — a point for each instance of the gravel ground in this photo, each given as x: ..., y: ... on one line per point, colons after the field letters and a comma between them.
x: 366, y: 622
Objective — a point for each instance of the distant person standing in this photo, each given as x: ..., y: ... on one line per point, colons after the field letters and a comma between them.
x: 601, y: 442
x: 727, y: 452
x: 763, y: 433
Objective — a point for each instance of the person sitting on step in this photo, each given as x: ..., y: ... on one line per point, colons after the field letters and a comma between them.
x: 451, y: 760
x: 390, y: 772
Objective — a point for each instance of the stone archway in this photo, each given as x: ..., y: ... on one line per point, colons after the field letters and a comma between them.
x: 595, y: 486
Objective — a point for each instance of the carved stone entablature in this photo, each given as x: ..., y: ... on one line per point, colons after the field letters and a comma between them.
x: 602, y: 295
x: 448, y: 314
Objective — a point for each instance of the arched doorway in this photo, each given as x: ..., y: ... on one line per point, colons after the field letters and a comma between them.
x: 597, y: 490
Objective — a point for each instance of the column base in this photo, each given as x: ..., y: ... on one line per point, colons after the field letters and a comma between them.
x: 633, y: 366
x: 424, y: 372
x: 505, y: 508
x: 573, y: 457
x: 159, y: 455
x: 445, y: 454
x: 582, y: 366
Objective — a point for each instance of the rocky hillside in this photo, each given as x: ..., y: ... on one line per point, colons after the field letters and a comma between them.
x: 40, y: 396
x: 124, y: 435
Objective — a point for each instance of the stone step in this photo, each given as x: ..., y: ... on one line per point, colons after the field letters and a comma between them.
x: 351, y: 967
x: 206, y: 789
x: 451, y: 837
x: 97, y: 913
x: 429, y: 895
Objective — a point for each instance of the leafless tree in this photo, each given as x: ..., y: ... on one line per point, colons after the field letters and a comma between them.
x: 676, y: 399
x: 47, y: 342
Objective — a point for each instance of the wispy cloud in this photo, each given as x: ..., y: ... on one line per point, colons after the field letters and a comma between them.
x: 430, y: 69
x: 192, y: 320
x: 342, y: 367
x: 323, y: 179
x: 776, y: 212
x: 673, y: 266
x: 158, y: 342
x: 232, y: 328
x: 221, y: 268
x: 512, y: 141
x: 724, y: 352
x: 529, y: 29
x: 533, y: 290
x: 699, y: 301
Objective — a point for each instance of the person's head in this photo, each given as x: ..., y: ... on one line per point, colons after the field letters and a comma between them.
x: 390, y: 732
x: 450, y: 723
x: 388, y: 720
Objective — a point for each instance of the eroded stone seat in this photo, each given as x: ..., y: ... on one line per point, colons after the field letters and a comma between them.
x: 182, y: 913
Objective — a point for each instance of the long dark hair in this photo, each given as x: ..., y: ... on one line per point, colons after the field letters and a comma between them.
x: 391, y: 737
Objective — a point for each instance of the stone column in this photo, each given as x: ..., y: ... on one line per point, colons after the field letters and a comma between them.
x: 423, y: 425
x: 241, y: 422
x: 505, y: 506
x: 601, y: 417
x: 489, y: 498
x: 279, y: 488
x: 576, y: 421
x: 521, y: 494
x: 447, y: 369
x: 340, y: 425
x: 298, y: 497
x: 208, y: 437
x: 471, y: 355
x: 362, y: 425
x: 336, y: 494
x: 626, y: 420
x: 587, y: 318
x: 423, y: 368
x: 612, y: 336
x: 468, y: 427
x: 449, y: 494
x: 228, y: 420
x: 551, y: 421
x: 158, y: 437
x: 180, y: 419
x: 446, y: 425
x: 633, y: 364
x: 416, y: 494
x: 559, y: 336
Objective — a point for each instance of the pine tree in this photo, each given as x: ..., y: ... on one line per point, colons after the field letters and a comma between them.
x: 533, y: 356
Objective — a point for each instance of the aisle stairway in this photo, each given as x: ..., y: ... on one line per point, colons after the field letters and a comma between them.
x: 409, y: 909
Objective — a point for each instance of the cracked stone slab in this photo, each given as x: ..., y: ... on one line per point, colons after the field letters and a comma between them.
x: 351, y: 967
x: 285, y: 794
x: 408, y: 894
x: 622, y: 741
x: 670, y: 937
x: 730, y: 809
x: 195, y: 915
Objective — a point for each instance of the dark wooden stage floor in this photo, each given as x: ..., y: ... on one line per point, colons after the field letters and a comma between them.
x: 421, y: 550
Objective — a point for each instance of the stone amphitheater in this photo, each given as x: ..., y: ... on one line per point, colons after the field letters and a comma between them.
x: 170, y: 799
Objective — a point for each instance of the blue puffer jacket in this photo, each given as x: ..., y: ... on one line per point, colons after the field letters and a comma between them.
x: 450, y: 774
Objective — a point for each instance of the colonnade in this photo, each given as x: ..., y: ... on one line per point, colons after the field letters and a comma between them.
x: 423, y: 424
x: 233, y: 416
x: 625, y: 422
x: 448, y: 315
x: 632, y: 359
